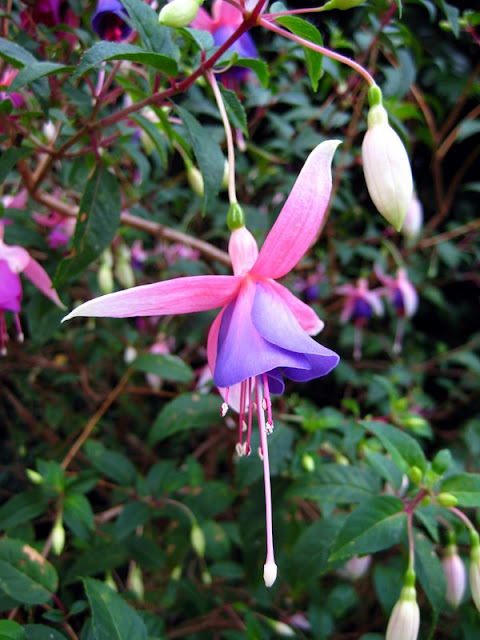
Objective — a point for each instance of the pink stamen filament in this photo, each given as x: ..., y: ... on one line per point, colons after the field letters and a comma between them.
x: 19, y: 328
x: 268, y: 402
x: 250, y: 413
x: 270, y: 568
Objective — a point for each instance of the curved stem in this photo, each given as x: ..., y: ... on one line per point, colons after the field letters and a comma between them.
x: 319, y: 49
x: 232, y: 195
x: 462, y: 517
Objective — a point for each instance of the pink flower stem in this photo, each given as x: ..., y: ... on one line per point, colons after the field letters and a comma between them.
x: 463, y: 517
x: 411, y: 543
x: 270, y: 567
x: 316, y: 47
x: 232, y: 195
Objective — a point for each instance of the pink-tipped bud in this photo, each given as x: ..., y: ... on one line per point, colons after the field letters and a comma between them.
x: 412, y: 224
x: 455, y: 576
x: 386, y: 165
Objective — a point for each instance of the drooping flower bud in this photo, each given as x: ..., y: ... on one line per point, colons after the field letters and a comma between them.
x: 455, y: 575
x: 195, y: 180
x: 475, y: 568
x: 357, y: 567
x: 386, y: 165
x: 179, y: 13
x: 413, y: 221
x: 404, y: 620
x: 197, y: 540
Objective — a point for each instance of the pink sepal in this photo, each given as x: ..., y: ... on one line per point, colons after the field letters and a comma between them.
x: 226, y: 14
x: 16, y: 257
x: 40, y: 278
x: 171, y: 297
x: 301, y: 216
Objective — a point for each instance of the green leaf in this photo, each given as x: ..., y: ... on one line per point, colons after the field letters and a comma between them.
x: 112, y: 463
x: 118, y: 51
x: 78, y: 515
x: 112, y: 617
x: 152, y: 131
x: 187, y: 411
x: 23, y: 507
x: 145, y: 20
x: 452, y: 13
x: 338, y: 484
x: 164, y: 366
x: 307, y: 31
x: 310, y: 553
x: 37, y: 70
x: 97, y: 560
x: 42, y: 632
x: 24, y: 574
x: 385, y: 467
x: 97, y: 223
x: 15, y: 54
x: 405, y: 450
x: 259, y: 67
x: 429, y: 571
x: 203, y: 39
x: 10, y: 630
x: 236, y: 112
x: 374, y: 525
x: 9, y: 159
x: 133, y: 515
x: 465, y: 487
x: 209, y: 156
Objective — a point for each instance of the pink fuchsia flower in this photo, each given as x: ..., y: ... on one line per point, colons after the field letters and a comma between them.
x: 108, y: 21
x: 360, y: 304
x: 404, y: 298
x: 61, y: 228
x: 223, y: 22
x: 6, y: 80
x: 15, y: 260
x: 263, y: 331
x: 51, y: 13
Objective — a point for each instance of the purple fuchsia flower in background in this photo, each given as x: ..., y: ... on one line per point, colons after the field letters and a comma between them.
x: 108, y: 21
x: 263, y: 332
x: 51, y: 13
x: 361, y: 304
x: 15, y: 260
x: 61, y: 228
x: 223, y: 22
x: 404, y: 298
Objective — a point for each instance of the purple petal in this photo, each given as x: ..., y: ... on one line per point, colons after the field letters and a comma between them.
x: 108, y: 21
x: 10, y: 289
x: 277, y: 324
x: 242, y: 351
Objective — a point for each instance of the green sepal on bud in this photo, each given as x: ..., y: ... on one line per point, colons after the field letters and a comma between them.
x: 179, y: 13
x: 197, y: 540
x: 235, y: 217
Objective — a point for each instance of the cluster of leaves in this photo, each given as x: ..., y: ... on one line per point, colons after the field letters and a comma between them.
x: 125, y: 514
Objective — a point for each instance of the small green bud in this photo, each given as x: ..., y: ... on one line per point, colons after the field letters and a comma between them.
x: 124, y: 273
x: 425, y: 501
x: 34, y: 476
x: 442, y: 461
x: 206, y: 577
x: 105, y: 278
x: 178, y: 13
x: 135, y: 582
x: 197, y: 540
x: 176, y: 573
x: 235, y: 217
x: 195, y: 180
x: 58, y: 536
x: 416, y: 475
x: 308, y: 462
x: 447, y: 500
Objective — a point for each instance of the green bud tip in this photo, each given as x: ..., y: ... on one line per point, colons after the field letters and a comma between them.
x: 375, y: 96
x: 235, y: 217
x: 474, y: 538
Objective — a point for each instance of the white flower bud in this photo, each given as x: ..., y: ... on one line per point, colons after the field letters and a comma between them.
x: 58, y: 537
x: 197, y: 540
x: 455, y: 576
x: 105, y: 278
x: 386, y: 165
x: 404, y: 621
x: 269, y: 573
x: 357, y: 567
x: 195, y: 180
x: 178, y: 13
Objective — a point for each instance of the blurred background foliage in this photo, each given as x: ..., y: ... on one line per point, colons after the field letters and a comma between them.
x: 116, y: 520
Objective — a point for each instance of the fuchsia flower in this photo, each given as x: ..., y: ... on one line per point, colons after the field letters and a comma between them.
x: 263, y: 331
x: 223, y: 22
x: 61, y: 228
x: 361, y: 304
x: 6, y: 80
x: 404, y: 298
x: 15, y: 260
x: 108, y: 21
